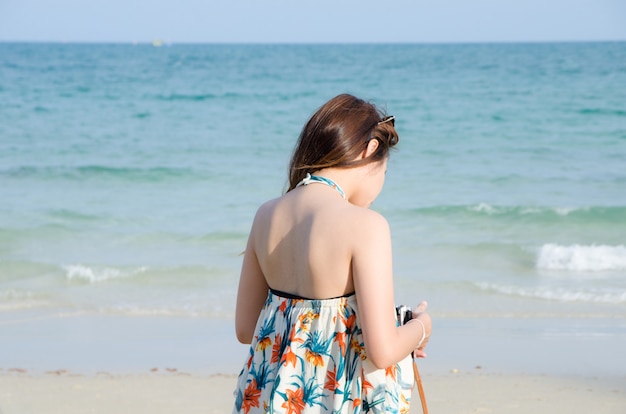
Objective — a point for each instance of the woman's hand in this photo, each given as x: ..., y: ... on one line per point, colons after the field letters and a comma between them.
x: 419, y: 313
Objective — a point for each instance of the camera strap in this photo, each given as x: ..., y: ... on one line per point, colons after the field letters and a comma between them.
x: 420, y: 388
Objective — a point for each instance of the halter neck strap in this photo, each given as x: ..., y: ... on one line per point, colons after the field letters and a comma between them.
x: 322, y: 180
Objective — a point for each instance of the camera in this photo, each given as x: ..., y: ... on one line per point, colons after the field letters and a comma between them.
x: 403, y: 314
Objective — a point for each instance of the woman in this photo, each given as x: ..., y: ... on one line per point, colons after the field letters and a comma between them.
x: 315, y: 298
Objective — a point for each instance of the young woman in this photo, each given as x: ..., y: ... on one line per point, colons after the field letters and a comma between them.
x: 315, y: 298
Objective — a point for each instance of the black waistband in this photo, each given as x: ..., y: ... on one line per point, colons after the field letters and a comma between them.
x: 292, y: 296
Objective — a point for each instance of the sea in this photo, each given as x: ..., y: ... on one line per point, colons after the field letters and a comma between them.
x: 130, y: 174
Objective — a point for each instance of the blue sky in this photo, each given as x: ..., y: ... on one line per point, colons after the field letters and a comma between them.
x: 291, y: 21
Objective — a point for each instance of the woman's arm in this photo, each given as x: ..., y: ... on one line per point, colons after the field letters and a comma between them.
x: 251, y: 294
x: 385, y: 343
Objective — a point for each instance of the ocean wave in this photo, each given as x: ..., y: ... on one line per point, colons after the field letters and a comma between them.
x: 187, y: 97
x: 200, y: 97
x: 13, y: 299
x: 151, y: 174
x: 602, y: 111
x: 608, y: 296
x: 581, y: 258
x: 192, y: 311
x: 86, y: 274
x: 523, y: 210
x: 612, y: 214
x: 72, y: 215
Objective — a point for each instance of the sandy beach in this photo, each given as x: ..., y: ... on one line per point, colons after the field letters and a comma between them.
x: 171, y: 391
x: 119, y: 370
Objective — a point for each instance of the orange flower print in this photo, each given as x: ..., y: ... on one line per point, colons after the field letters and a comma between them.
x: 349, y: 322
x: 340, y: 338
x: 276, y: 349
x: 356, y: 402
x: 306, y: 319
x: 331, y: 383
x: 314, y: 358
x: 250, y: 396
x: 293, y: 332
x: 289, y: 357
x: 367, y: 385
x: 316, y: 347
x: 295, y: 401
x: 283, y: 306
x: 358, y: 348
x: 391, y: 371
x: 263, y: 343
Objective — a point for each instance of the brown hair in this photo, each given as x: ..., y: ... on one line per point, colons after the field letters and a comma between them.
x: 336, y: 134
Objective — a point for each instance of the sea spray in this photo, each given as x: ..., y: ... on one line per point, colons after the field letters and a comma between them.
x: 82, y: 273
x: 558, y: 294
x: 582, y: 257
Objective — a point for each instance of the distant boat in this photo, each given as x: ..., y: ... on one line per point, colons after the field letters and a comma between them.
x: 157, y: 43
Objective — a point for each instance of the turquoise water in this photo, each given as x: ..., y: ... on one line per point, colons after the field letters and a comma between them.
x: 129, y: 175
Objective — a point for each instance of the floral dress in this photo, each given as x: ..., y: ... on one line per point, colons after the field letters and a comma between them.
x: 308, y: 356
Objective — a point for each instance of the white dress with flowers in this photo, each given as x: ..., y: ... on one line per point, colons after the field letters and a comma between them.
x: 307, y: 356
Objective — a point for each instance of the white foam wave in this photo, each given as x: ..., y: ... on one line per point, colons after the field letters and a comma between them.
x: 13, y: 294
x: 12, y: 299
x: 483, y: 208
x: 558, y: 294
x: 564, y: 211
x: 495, y: 210
x: 581, y: 258
x: 197, y: 311
x: 97, y: 275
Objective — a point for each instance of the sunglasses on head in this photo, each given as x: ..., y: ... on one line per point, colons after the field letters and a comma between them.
x: 390, y: 118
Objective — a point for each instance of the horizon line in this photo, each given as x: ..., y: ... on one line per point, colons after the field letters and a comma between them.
x: 166, y: 43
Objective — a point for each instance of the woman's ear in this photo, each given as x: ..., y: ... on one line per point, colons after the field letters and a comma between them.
x: 372, y: 146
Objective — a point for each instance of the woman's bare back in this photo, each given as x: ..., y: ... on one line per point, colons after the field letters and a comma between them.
x: 303, y: 243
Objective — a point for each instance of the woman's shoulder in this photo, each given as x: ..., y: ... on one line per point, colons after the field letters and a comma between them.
x: 365, y: 220
x: 367, y: 233
x: 268, y: 206
x: 266, y: 210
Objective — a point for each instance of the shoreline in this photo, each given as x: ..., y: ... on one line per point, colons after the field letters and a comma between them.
x: 92, y: 343
x: 103, y: 364
x: 166, y: 391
